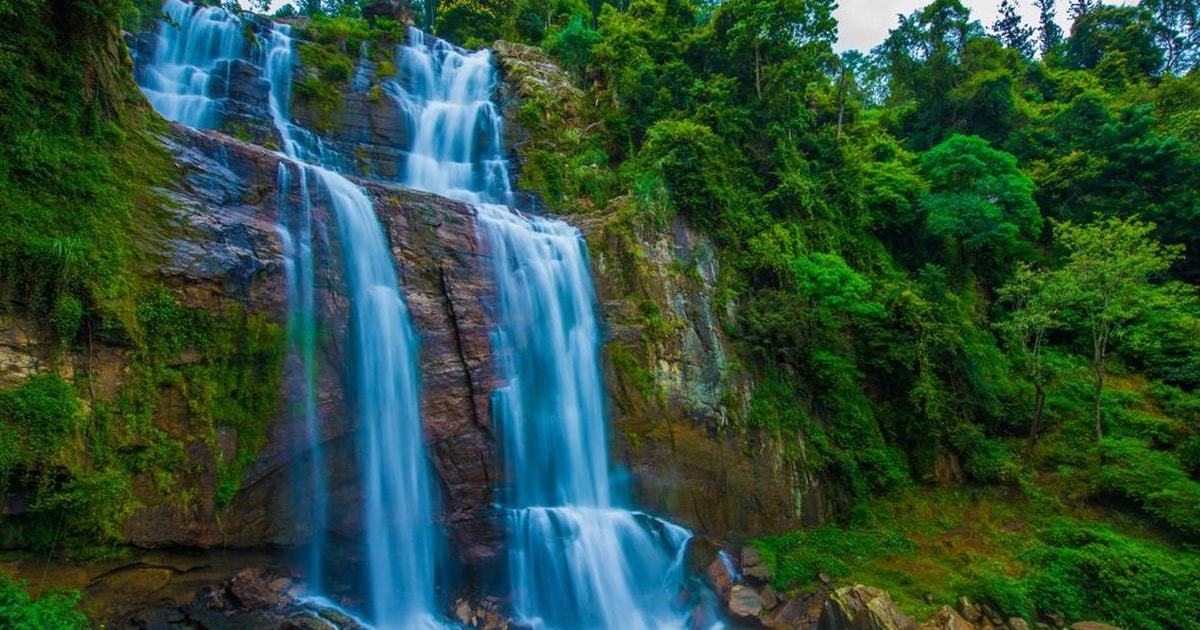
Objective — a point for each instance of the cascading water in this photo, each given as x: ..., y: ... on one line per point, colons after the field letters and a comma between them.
x: 446, y: 96
x: 575, y: 561
x: 296, y: 232
x: 192, y: 44
x: 384, y: 384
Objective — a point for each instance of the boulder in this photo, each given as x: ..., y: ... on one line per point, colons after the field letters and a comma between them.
x: 770, y: 599
x: 753, y: 565
x: 1092, y: 625
x: 745, y: 604
x: 802, y: 611
x: 969, y: 611
x: 864, y: 608
x: 1016, y: 623
x: 947, y: 619
x: 719, y: 577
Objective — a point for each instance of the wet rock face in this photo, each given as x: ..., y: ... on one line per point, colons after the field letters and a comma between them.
x: 227, y: 249
x: 677, y: 391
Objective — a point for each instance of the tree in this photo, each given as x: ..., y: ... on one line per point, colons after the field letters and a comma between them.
x: 471, y: 23
x: 1108, y: 282
x: 1049, y: 33
x: 1121, y: 36
x: 1035, y: 312
x: 923, y: 57
x: 977, y: 197
x: 1081, y: 7
x: 1011, y: 31
x: 1178, y: 34
x: 772, y: 28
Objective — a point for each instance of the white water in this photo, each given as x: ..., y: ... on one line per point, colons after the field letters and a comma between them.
x: 191, y: 45
x: 575, y: 560
x: 446, y: 96
x: 383, y: 380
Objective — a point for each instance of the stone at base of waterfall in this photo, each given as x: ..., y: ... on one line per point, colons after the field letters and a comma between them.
x: 968, y: 610
x: 865, y: 608
x: 745, y: 603
x: 487, y: 614
x: 802, y: 611
x: 253, y: 598
x: 1092, y: 625
x: 719, y: 578
x: 753, y: 565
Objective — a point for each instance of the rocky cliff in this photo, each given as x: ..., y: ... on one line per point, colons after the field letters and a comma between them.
x: 227, y: 248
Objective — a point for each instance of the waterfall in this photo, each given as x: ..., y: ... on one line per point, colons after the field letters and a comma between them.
x: 193, y: 44
x: 445, y: 94
x: 383, y: 384
x: 575, y: 560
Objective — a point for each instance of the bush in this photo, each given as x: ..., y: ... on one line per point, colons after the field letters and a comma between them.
x: 1091, y: 571
x: 37, y: 417
x: 52, y: 611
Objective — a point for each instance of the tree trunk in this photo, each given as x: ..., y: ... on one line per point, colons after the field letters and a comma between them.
x: 1096, y: 401
x: 1039, y: 408
x: 757, y: 71
x: 841, y: 101
x: 1099, y: 354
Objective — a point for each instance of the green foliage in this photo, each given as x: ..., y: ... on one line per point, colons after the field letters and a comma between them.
x: 1153, y: 479
x: 19, y: 611
x: 834, y: 290
x: 1092, y: 571
x: 35, y: 420
x: 798, y: 557
x: 473, y: 23
x: 978, y: 198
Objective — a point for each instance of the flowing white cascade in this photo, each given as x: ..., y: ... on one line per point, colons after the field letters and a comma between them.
x: 446, y: 96
x: 296, y: 233
x: 383, y: 384
x: 576, y: 561
x: 192, y: 45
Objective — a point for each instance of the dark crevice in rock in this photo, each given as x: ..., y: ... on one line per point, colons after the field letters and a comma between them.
x: 456, y: 330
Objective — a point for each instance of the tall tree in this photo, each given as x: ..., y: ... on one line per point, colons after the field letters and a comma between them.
x: 923, y: 55
x: 773, y: 29
x: 1121, y: 38
x: 1012, y: 31
x: 1049, y: 33
x: 1081, y: 7
x: 1035, y: 312
x: 978, y: 199
x: 1107, y: 283
x: 1178, y: 34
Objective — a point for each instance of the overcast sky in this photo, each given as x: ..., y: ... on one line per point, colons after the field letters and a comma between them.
x: 863, y: 24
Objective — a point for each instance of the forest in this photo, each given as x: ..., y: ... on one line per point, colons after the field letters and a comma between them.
x: 962, y: 272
